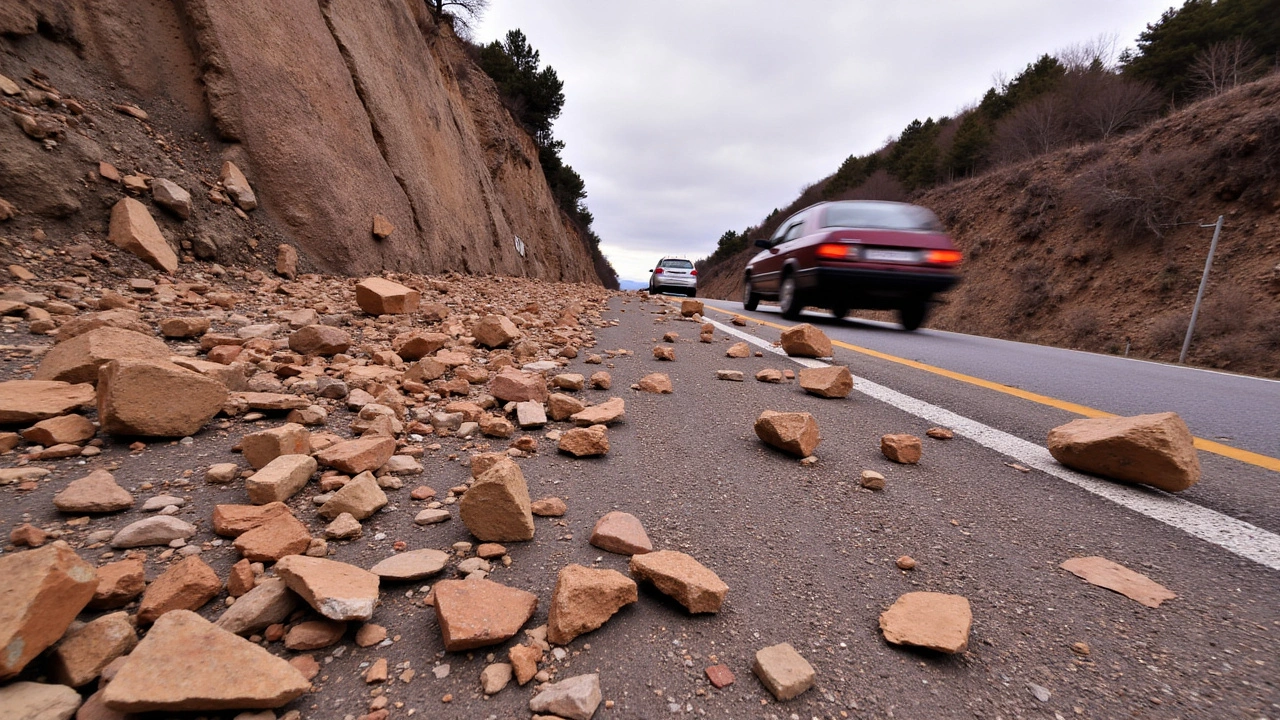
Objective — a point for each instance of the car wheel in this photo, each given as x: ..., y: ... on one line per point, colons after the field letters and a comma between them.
x: 693, y: 292
x: 750, y: 300
x: 789, y: 298
x: 912, y: 314
x: 840, y: 313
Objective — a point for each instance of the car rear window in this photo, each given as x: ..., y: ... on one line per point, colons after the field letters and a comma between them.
x: 676, y: 264
x: 881, y: 216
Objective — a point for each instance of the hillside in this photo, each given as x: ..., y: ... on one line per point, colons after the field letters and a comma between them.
x: 1098, y: 247
x: 336, y: 112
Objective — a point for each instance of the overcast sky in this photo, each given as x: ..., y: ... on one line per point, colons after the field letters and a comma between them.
x: 687, y: 118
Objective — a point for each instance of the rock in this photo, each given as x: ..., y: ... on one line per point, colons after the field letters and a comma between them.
x: 237, y: 186
x: 584, y: 599
x: 361, y: 497
x: 171, y: 196
x: 382, y: 227
x: 792, y: 432
x: 79, y: 359
x: 64, y: 429
x: 621, y: 533
x: 377, y: 296
x: 805, y: 340
x: 936, y: 621
x: 377, y: 672
x: 235, y: 520
x: 343, y: 527
x: 530, y: 414
x: 562, y: 407
x: 96, y: 492
x: 906, y: 562
x: 416, y: 345
x: 476, y: 613
x: 282, y: 535
x: 42, y: 593
x: 1118, y: 578
x: 356, y: 456
x: 118, y: 584
x: 731, y: 375
x: 686, y: 580
x: 28, y: 535
x: 412, y: 565
x: 370, y: 634
x: 720, y: 675
x: 939, y: 433
x: 548, y: 507
x: 336, y: 590
x: 495, y: 677
x: 524, y: 662
x: 187, y: 585
x: 262, y: 447
x: 769, y: 375
x: 38, y: 701
x: 495, y: 331
x: 574, y: 698
x: 240, y: 578
x: 490, y: 551
x: 268, y: 401
x: 871, y: 480
x: 738, y: 350
x: 431, y: 516
x: 663, y: 352
x: 828, y: 382
x: 314, y: 634
x: 269, y: 602
x: 901, y: 448
x: 84, y: 652
x: 231, y: 673
x: 134, y: 230
x: 584, y: 442
x: 496, y: 508
x: 155, y: 398
x: 181, y: 328
x: 606, y: 413
x: 280, y: 479
x: 158, y: 530
x: 783, y: 671
x: 516, y: 386
x: 25, y: 401
x: 655, y: 383
x: 600, y: 380
x: 319, y: 340
x: 573, y: 382
x: 118, y: 317
x: 689, y: 308
x: 1154, y: 450
x: 286, y: 261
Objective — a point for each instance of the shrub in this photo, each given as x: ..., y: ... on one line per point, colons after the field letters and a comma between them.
x: 1134, y: 198
x: 1081, y: 323
x: 1168, y: 330
x: 1226, y: 311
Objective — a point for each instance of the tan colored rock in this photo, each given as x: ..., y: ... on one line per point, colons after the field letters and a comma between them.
x: 280, y: 479
x: 82, y: 654
x: 496, y: 508
x: 689, y: 308
x: 40, y: 701
x: 871, y: 480
x: 901, y: 448
x: 495, y: 677
x: 792, y: 432
x: 155, y: 398
x: 574, y: 698
x: 235, y: 520
x: 805, y: 340
x: 601, y: 380
x: 738, y: 350
x: 314, y: 634
x: 1156, y: 449
x: 356, y: 456
x: 495, y: 331
x: 96, y: 492
x: 247, y: 676
x: 267, y: 603
x: 282, y: 535
x: 622, y: 533
x: 158, y: 530
x: 585, y: 442
x: 584, y: 599
x: 936, y: 621
x: 783, y: 671
x: 561, y: 406
x: 515, y: 386
x: 572, y: 382
x: 828, y: 382
x: 377, y: 296
x: 286, y: 261
x: 370, y: 634
x: 79, y: 359
x: 769, y: 375
x: 940, y: 433
x: 657, y: 383
x: 319, y: 340
x: 134, y: 230
x: 524, y: 662
x: 187, y: 585
x: 411, y: 565
x: 476, y: 613
x: 336, y: 590
x: 240, y: 578
x: 664, y: 352
x: 118, y: 584
x: 606, y: 413
x: 548, y: 507
x: 268, y: 401
x: 262, y: 447
x: 42, y: 592
x: 181, y: 328
x: 678, y: 575
x: 25, y: 401
x: 343, y: 527
x: 237, y: 187
x: 361, y: 498
x: 1118, y: 578
x: 416, y: 345
x: 65, y: 429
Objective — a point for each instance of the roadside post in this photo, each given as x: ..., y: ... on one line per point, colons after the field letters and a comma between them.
x: 1204, y: 280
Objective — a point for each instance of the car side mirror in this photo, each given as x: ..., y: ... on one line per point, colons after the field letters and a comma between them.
x: 764, y: 243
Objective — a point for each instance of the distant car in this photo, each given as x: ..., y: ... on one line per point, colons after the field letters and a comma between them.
x: 673, y: 274
x: 854, y: 254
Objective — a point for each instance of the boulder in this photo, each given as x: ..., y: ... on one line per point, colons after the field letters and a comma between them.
x: 476, y: 613
x: 515, y: 386
x: 574, y: 698
x: 621, y: 533
x: 319, y: 340
x: 171, y: 196
x: 286, y: 261
x: 42, y: 592
x: 783, y: 671
x: 805, y: 340
x: 187, y: 585
x: 360, y: 497
x: 792, y: 432
x: 280, y: 479
x: 901, y: 448
x: 96, y: 492
x: 158, y: 530
x: 584, y: 599
x: 495, y: 331
x: 336, y: 590
x: 40, y: 701
x: 237, y: 186
x: 262, y: 447
x: 828, y: 382
x: 269, y: 602
x: 65, y: 429
x: 689, y: 308
x: 135, y: 231
x: 356, y: 456
x: 377, y: 296
x: 678, y: 575
x: 155, y: 398
x: 79, y: 359
x: 412, y: 565
x: 936, y: 621
x: 496, y: 507
x: 584, y: 442
x: 26, y: 401
x: 1156, y: 449
x: 606, y: 413
x: 119, y: 583
x: 273, y: 539
x: 83, y: 652
x: 657, y: 383
x: 234, y: 520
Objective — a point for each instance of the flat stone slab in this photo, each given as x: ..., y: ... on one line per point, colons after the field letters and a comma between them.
x: 412, y: 565
x: 476, y: 613
x: 936, y: 621
x: 1116, y: 577
x: 336, y: 590
x: 678, y: 575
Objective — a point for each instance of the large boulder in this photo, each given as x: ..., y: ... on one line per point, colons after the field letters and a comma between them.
x: 1156, y: 450
x: 133, y: 229
x: 26, y: 401
x: 78, y: 360
x: 42, y: 592
x: 584, y: 599
x: 792, y: 432
x: 476, y: 613
x: 155, y: 398
x: 805, y: 340
x: 377, y: 296
x: 496, y: 507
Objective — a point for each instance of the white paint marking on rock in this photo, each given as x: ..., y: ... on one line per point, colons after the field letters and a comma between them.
x: 1237, y: 536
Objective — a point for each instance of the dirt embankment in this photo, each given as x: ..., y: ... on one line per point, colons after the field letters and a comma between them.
x: 336, y: 111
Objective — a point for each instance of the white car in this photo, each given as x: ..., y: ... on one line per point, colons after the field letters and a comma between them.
x: 674, y: 274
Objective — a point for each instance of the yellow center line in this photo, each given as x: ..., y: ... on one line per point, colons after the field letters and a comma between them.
x: 1217, y: 448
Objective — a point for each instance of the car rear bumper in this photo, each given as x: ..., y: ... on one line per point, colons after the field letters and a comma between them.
x: 675, y: 281
x: 866, y: 288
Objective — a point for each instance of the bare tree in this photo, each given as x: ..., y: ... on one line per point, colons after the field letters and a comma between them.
x: 1102, y: 104
x: 1224, y: 65
x: 1096, y: 54
x: 460, y: 14
x: 1033, y: 129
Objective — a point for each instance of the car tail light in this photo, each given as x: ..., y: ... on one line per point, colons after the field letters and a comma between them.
x: 836, y: 251
x: 694, y: 273
x: 657, y: 271
x: 943, y: 257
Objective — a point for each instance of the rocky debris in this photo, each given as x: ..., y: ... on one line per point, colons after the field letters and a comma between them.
x: 360, y: 497
x: 495, y: 331
x: 871, y: 480
x: 475, y: 613
x: 686, y: 580
x: 336, y: 590
x: 187, y: 585
x: 96, y: 492
x: 738, y: 350
x: 606, y: 413
x: 805, y: 340
x: 343, y: 527
x: 135, y: 231
x: 431, y: 516
x: 83, y: 652
x: 792, y: 432
x: 246, y: 675
x: 286, y: 261
x: 939, y: 433
x: 584, y: 599
x: 496, y: 508
x: 382, y: 227
x: 731, y: 375
x: 269, y: 602
x: 1154, y: 450
x: 516, y: 386
x: 182, y: 328
x: 261, y: 447
x: 28, y: 535
x: 657, y: 383
x: 411, y: 565
x: 26, y: 401
x: 172, y: 197
x: 73, y: 429
x: 905, y: 562
x: 936, y: 621
x: 221, y: 473
x: 155, y: 398
x: 783, y: 671
x: 40, y: 701
x: 901, y: 448
x: 79, y: 359
x: 622, y: 533
x: 281, y: 478
x: 530, y: 415
x: 1118, y: 578
x: 769, y: 375
x: 377, y: 672
x: 548, y: 507
x: 562, y: 407
x: 689, y: 308
x: 314, y: 634
x: 720, y: 675
x: 234, y: 520
x: 118, y: 317
x: 664, y: 352
x: 584, y: 442
x: 356, y: 456
x: 524, y: 662
x: 319, y: 340
x: 370, y: 634
x: 42, y: 593
x: 273, y: 539
x: 828, y: 382
x: 600, y: 380
x: 237, y: 187
x: 574, y: 698
x: 118, y: 584
x: 158, y: 530
x: 495, y: 677
x: 377, y: 296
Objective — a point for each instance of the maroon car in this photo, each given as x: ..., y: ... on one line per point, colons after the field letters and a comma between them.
x: 854, y: 254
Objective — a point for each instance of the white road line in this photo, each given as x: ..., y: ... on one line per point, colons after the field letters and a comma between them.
x: 1239, y: 537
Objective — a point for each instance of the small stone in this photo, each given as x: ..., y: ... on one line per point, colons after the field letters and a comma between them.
x: 356, y: 456
x: 901, y: 448
x: 476, y: 613
x: 323, y: 340
x: 622, y: 533
x: 939, y: 433
x: 382, y: 227
x: 94, y: 493
x: 64, y: 429
x: 40, y: 701
x: 828, y: 382
x: 158, y: 530
x: 361, y: 498
x: 657, y: 383
x: 906, y: 562
x: 730, y: 375
x: 871, y: 480
x: 664, y: 352
x: 683, y: 578
x: 221, y: 473
x: 495, y: 331
x: 495, y: 677
x: 431, y: 516
x: 524, y: 661
x: 412, y: 565
x: 118, y: 584
x: 83, y: 653
x: 336, y: 590
x: 584, y: 599
x: 1080, y: 648
x: 182, y: 328
x: 268, y: 603
x: 575, y: 698
x: 134, y: 230
x: 496, y: 508
x: 601, y: 380
x: 314, y: 634
x: 28, y: 535
x: 720, y: 675
x: 606, y: 413
x: 280, y: 479
x: 584, y: 442
x: 235, y: 520
x: 172, y: 197
x: 186, y: 585
x: 260, y: 448
x: 1118, y: 578
x: 769, y: 375
x: 548, y: 507
x: 783, y: 671
x: 530, y: 414
x: 237, y: 186
x: 370, y: 634
x: 377, y: 672
x: 27, y: 401
x: 273, y: 539
x: 792, y: 432
x: 344, y: 527
x: 936, y: 621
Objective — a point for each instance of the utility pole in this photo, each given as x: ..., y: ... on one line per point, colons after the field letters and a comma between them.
x: 1204, y: 280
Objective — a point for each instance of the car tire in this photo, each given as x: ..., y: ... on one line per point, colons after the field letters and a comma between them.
x: 693, y: 292
x: 840, y: 313
x: 912, y: 315
x: 750, y: 300
x: 789, y: 297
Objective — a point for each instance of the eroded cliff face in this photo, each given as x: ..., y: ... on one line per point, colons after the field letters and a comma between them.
x: 337, y: 110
